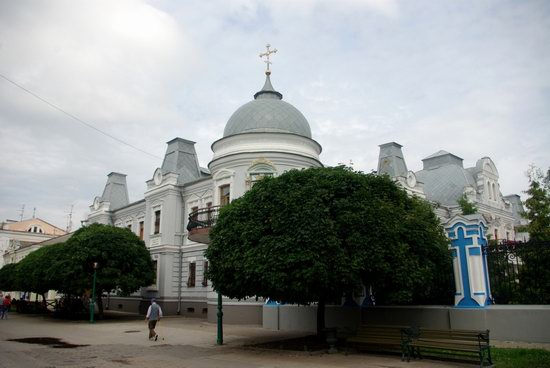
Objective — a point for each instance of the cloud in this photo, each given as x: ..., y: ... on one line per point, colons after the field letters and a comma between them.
x: 468, y: 77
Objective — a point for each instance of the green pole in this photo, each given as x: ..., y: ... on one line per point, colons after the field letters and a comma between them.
x: 92, y: 300
x: 219, y: 341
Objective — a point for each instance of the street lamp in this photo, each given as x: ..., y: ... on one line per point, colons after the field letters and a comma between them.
x: 220, y: 320
x: 92, y: 300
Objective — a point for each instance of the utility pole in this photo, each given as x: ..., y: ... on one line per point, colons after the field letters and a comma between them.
x: 70, y: 220
x: 22, y: 212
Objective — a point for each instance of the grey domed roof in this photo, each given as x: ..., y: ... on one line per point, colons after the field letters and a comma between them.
x: 267, y: 113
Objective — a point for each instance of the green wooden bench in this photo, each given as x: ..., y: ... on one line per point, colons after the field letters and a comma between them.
x: 467, y: 343
x: 380, y: 338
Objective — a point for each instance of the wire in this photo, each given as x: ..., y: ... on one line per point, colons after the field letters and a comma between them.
x: 77, y: 118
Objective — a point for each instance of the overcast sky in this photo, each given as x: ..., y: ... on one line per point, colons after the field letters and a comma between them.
x: 468, y: 77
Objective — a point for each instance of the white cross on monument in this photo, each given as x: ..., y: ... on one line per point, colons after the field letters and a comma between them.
x: 266, y: 54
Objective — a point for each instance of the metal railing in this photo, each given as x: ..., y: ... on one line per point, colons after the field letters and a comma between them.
x: 519, y: 272
x: 203, y: 218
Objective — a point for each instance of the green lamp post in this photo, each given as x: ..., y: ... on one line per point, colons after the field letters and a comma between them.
x: 92, y: 300
x: 219, y: 341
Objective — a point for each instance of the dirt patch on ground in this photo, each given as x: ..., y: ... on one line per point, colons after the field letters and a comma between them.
x: 47, y: 341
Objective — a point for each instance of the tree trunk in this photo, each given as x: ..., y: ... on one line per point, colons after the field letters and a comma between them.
x: 320, y: 317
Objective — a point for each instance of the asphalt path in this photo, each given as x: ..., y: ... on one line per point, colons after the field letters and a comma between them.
x: 33, y: 341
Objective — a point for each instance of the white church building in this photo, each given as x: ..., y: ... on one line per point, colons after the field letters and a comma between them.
x: 264, y: 137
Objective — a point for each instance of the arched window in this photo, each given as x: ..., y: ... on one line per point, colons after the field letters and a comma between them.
x: 489, y: 190
x: 259, y: 170
x: 495, y: 197
x: 35, y: 229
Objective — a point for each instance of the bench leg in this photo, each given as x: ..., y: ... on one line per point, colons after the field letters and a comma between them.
x: 405, y: 352
x: 482, y: 357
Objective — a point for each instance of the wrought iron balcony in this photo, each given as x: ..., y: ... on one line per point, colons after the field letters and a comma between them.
x: 200, y: 222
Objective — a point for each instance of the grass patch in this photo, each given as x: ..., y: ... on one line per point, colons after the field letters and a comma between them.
x: 520, y: 358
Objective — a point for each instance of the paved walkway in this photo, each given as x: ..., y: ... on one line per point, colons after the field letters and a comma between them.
x: 184, y: 342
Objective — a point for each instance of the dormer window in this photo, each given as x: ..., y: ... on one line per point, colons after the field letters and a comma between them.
x: 35, y: 229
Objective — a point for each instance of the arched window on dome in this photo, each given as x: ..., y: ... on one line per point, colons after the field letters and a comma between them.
x: 259, y: 169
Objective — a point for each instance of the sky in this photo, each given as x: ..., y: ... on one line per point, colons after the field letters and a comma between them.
x: 92, y: 87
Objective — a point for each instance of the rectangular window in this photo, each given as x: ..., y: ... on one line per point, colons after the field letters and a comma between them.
x: 129, y: 227
x: 157, y: 222
x: 496, y: 234
x: 224, y: 195
x: 155, y: 269
x: 141, y: 229
x: 204, y: 271
x: 191, y: 278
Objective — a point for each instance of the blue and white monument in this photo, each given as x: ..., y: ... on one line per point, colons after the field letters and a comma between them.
x: 468, y: 241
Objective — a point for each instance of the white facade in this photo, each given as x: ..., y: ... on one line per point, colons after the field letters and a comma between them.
x: 444, y: 180
x: 249, y: 150
x: 264, y: 137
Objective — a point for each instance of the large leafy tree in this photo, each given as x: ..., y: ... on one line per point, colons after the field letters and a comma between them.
x: 534, y: 273
x: 312, y: 235
x: 123, y: 262
x: 32, y: 272
x: 8, y: 277
x: 538, y: 205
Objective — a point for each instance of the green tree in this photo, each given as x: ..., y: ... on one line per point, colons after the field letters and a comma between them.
x: 312, y: 235
x: 32, y: 272
x: 538, y: 205
x: 8, y: 277
x: 467, y: 207
x: 124, y: 263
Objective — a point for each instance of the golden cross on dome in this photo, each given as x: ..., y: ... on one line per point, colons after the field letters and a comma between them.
x: 266, y: 54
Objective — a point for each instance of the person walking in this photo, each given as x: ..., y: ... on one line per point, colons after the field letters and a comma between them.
x: 154, y: 314
x: 6, y: 306
x: 1, y: 305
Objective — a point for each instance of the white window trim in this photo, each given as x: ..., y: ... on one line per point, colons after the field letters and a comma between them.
x: 154, y: 209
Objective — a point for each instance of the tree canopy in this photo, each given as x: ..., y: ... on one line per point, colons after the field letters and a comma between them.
x: 123, y: 264
x: 33, y: 272
x: 538, y: 205
x: 312, y: 235
x: 8, y: 277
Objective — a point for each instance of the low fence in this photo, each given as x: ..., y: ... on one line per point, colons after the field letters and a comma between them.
x: 519, y: 273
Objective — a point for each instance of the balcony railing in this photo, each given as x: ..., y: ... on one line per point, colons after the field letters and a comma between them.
x: 200, y: 222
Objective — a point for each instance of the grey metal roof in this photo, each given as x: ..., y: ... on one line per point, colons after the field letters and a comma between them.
x: 116, y: 190
x: 517, y: 207
x: 444, y: 179
x: 267, y: 113
x: 441, y: 158
x: 181, y: 158
x: 391, y: 161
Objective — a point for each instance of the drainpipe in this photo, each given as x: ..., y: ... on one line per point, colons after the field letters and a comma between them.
x: 180, y: 279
